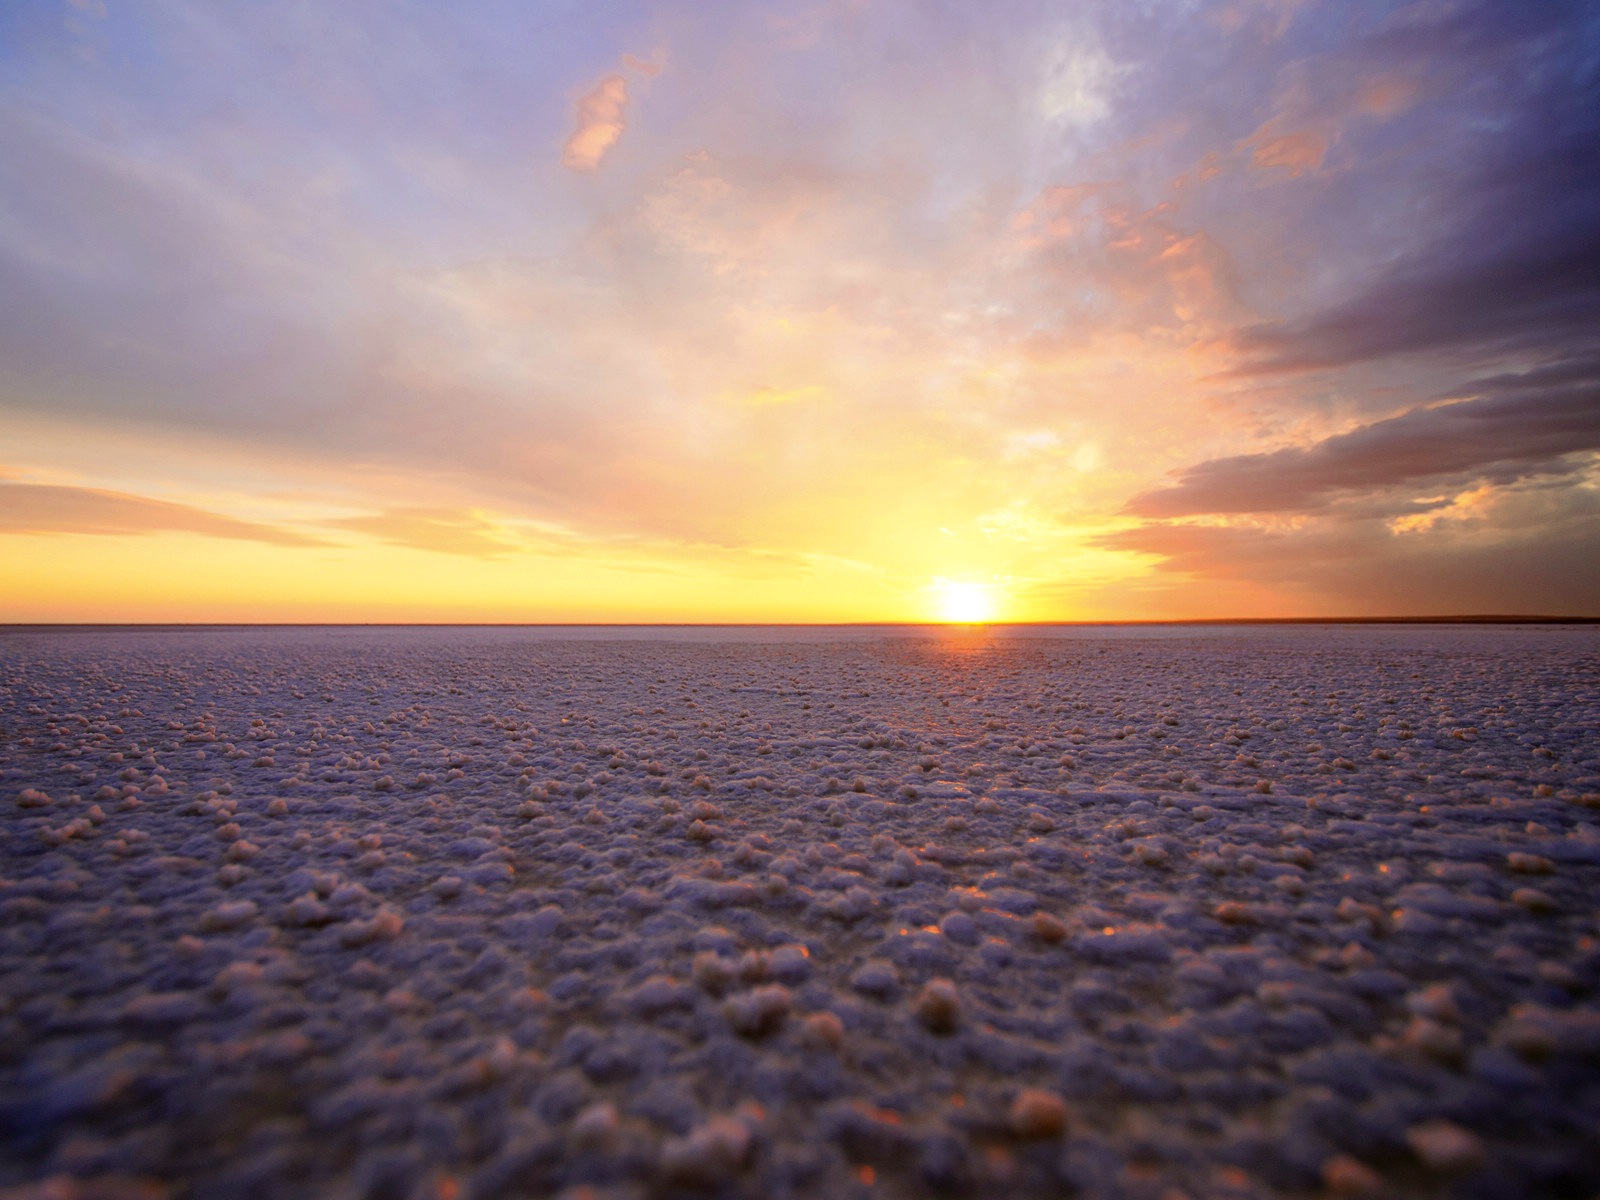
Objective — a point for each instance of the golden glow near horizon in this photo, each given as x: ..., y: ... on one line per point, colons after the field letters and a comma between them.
x: 740, y: 313
x: 964, y: 603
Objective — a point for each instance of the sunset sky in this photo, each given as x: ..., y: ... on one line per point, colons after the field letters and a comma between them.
x: 798, y: 311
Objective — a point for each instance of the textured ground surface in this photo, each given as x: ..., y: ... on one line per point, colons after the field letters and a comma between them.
x: 1270, y: 912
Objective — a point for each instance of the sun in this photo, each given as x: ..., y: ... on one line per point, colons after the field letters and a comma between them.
x: 962, y: 603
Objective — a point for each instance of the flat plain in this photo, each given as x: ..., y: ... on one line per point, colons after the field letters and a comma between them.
x: 1257, y: 911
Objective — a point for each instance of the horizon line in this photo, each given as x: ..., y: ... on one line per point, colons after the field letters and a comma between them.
x: 1441, y: 619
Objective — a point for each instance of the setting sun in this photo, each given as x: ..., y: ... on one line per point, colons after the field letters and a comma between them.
x: 963, y: 603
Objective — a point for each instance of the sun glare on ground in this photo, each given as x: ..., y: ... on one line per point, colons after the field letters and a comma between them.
x: 962, y: 603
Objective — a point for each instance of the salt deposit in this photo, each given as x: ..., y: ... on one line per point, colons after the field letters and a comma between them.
x: 479, y: 913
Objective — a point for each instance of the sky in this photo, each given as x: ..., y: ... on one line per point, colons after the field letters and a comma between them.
x: 811, y: 310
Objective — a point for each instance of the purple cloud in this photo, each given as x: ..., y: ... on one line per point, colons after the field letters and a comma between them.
x: 1539, y: 555
x: 1503, y: 246
x: 1501, y: 438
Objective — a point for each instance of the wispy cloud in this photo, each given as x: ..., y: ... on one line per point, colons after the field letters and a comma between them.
x: 602, y: 119
x: 439, y: 530
x: 52, y: 508
x: 1296, y: 152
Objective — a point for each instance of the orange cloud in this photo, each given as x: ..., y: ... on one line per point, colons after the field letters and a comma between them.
x: 1297, y: 152
x: 601, y: 122
x: 52, y: 508
x: 1386, y: 97
x: 439, y: 530
x: 1060, y: 212
x: 1134, y: 269
x: 642, y: 65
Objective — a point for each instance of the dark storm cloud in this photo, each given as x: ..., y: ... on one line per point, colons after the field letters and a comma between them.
x: 1539, y: 424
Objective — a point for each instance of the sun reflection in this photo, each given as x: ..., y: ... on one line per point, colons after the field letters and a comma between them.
x: 959, y: 602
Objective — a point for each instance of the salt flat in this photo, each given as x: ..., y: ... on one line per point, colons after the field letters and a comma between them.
x: 494, y: 912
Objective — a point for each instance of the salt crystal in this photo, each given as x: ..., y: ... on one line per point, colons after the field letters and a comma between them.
x: 1036, y: 1113
x: 938, y: 1006
x: 758, y: 1012
x: 1445, y: 1147
x: 1346, y: 1176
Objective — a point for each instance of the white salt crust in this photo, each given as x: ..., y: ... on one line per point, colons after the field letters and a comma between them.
x: 482, y: 913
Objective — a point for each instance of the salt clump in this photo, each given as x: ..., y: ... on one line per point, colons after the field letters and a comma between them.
x: 711, y: 1154
x: 938, y: 1006
x: 876, y: 978
x: 822, y: 1030
x: 760, y: 1011
x: 230, y: 915
x: 1036, y: 1113
x: 1444, y: 1146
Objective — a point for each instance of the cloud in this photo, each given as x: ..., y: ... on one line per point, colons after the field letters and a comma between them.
x: 1542, y: 293
x: 52, y: 508
x: 442, y: 531
x: 1489, y: 504
x: 644, y: 66
x: 765, y: 397
x: 1298, y: 152
x: 1079, y: 79
x: 1098, y: 263
x: 601, y: 121
x: 1385, y: 96
x: 1450, y: 260
x: 1535, y: 428
x: 1495, y: 246
x: 1539, y: 553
